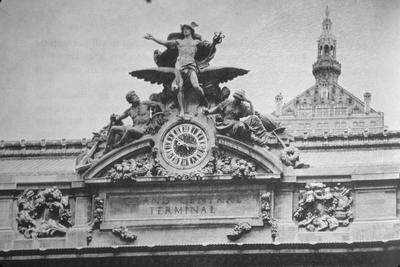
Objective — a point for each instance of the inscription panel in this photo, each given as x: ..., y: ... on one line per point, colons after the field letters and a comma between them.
x: 180, y: 207
x: 376, y: 204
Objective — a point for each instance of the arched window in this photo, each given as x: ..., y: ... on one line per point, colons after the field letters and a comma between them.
x: 326, y: 50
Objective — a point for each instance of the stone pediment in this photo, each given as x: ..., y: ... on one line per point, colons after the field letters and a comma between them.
x: 143, y: 160
x: 318, y: 96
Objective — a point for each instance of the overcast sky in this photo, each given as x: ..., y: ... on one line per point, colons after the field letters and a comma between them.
x: 64, y: 64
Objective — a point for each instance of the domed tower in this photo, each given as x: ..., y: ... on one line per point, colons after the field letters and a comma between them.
x: 326, y: 69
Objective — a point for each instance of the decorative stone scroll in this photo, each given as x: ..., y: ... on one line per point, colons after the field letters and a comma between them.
x: 322, y: 208
x: 43, y: 213
x: 124, y: 234
x: 238, y: 231
x: 267, y: 218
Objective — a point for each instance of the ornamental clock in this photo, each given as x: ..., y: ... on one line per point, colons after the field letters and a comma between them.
x: 184, y: 146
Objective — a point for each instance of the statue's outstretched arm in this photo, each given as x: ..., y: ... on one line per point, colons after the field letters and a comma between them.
x: 167, y: 44
x: 122, y: 116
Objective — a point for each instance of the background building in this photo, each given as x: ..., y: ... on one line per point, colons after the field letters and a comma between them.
x: 326, y: 107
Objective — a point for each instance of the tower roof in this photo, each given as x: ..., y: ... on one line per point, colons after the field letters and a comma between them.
x: 326, y: 24
x: 326, y: 69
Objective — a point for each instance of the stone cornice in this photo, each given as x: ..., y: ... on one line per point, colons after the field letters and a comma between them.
x: 384, y: 139
x: 72, y: 147
x: 43, y: 147
x: 352, y: 249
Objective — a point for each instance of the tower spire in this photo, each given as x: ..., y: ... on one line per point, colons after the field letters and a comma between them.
x: 326, y: 69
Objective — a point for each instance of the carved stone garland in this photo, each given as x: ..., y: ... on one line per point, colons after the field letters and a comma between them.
x: 43, y: 213
x: 124, y: 234
x: 267, y: 217
x: 129, y: 169
x: 238, y: 231
x: 322, y: 208
x: 97, y: 218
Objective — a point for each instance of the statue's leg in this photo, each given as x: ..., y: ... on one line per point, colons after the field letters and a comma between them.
x: 195, y: 83
x: 114, y: 130
x: 132, y: 132
x: 259, y: 135
x: 270, y: 124
x: 180, y: 96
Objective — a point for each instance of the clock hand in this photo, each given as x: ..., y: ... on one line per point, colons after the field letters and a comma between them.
x: 191, y: 145
x: 182, y: 143
x: 187, y: 145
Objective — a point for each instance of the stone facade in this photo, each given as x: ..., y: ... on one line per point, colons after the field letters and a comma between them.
x: 196, y: 186
x: 152, y: 214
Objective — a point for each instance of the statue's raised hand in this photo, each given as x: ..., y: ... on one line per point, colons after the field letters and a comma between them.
x: 148, y: 36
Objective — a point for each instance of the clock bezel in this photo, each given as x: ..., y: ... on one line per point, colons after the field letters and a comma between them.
x: 209, y: 134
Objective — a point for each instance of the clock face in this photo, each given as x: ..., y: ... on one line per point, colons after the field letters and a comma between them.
x: 185, y: 146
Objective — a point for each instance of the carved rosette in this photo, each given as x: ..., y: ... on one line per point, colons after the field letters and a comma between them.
x: 43, y: 213
x: 322, y: 208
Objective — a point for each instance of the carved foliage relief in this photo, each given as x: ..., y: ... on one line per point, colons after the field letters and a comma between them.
x: 266, y: 214
x: 43, y: 213
x: 239, y: 230
x: 222, y: 163
x: 322, y: 207
x: 124, y: 234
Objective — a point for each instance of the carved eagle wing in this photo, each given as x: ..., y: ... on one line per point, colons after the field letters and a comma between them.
x: 161, y: 75
x: 220, y: 74
x: 165, y: 75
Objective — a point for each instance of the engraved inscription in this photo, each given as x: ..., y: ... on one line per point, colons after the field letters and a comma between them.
x: 232, y: 204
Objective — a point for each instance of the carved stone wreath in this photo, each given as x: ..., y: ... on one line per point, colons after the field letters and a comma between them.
x: 290, y: 155
x: 43, y: 213
x: 322, y: 208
